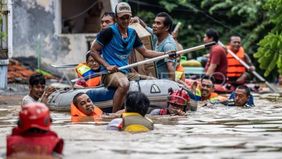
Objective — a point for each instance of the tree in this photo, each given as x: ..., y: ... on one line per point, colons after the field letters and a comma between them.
x: 249, y: 19
x: 269, y: 53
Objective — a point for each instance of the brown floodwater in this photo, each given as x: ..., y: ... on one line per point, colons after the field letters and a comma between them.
x: 214, y: 132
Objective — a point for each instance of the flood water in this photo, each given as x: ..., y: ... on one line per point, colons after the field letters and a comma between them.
x: 216, y: 132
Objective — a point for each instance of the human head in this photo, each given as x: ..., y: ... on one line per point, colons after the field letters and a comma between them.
x: 107, y: 19
x: 211, y: 35
x: 123, y: 14
x: 91, y: 62
x: 137, y: 102
x: 235, y: 43
x: 34, y: 115
x: 36, y: 85
x: 178, y: 101
x: 242, y: 94
x: 162, y: 23
x: 207, y: 86
x: 83, y: 103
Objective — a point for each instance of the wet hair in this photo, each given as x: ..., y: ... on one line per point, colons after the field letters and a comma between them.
x: 111, y: 14
x: 36, y: 79
x: 168, y: 20
x: 211, y: 78
x: 211, y: 33
x: 235, y: 35
x: 75, y: 98
x: 246, y: 88
x: 137, y: 102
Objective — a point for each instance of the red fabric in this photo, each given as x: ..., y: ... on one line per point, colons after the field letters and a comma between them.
x: 34, y: 143
x: 163, y: 111
x: 81, y: 83
x: 218, y: 56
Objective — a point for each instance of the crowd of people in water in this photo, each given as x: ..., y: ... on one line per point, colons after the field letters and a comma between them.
x: 111, y: 50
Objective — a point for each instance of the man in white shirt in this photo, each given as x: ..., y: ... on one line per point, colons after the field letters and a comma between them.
x: 37, y: 86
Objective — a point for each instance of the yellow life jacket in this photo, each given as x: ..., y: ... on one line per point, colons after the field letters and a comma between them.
x: 179, y: 72
x: 134, y: 122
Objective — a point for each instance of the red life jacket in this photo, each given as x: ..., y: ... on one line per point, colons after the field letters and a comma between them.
x: 235, y: 68
x: 35, y: 143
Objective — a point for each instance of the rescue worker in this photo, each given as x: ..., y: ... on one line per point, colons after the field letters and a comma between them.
x: 178, y: 103
x: 37, y: 92
x: 236, y: 72
x: 83, y: 109
x: 33, y: 136
x: 113, y: 47
x: 134, y: 120
x: 204, y: 92
x: 217, y: 62
x: 86, y: 70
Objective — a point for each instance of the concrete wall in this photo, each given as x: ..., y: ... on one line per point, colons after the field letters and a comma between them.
x: 34, y: 25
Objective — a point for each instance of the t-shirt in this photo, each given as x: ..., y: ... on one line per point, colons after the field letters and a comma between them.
x: 116, y: 49
x: 168, y: 44
x: 28, y: 99
x: 218, y: 57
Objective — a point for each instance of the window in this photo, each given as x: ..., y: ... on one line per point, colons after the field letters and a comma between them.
x: 81, y: 16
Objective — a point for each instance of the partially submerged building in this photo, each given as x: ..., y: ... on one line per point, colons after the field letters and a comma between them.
x: 54, y: 31
x: 57, y: 31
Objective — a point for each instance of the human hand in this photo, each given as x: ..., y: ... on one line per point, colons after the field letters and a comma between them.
x: 176, y: 111
x: 252, y: 68
x: 134, y: 20
x: 172, y: 54
x: 49, y: 90
x: 112, y: 68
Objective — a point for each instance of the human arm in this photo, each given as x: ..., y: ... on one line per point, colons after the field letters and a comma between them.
x: 217, y: 56
x: 211, y: 69
x: 103, y: 39
x: 149, y: 53
x: 137, y: 19
x: 247, y: 59
x: 46, y: 94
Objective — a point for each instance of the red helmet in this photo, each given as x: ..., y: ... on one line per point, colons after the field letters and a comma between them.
x: 34, y: 115
x: 178, y: 98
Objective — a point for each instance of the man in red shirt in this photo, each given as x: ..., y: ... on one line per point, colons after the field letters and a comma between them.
x: 217, y: 62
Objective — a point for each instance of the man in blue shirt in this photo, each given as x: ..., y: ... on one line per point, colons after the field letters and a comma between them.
x: 241, y: 97
x: 163, y: 41
x: 115, y: 44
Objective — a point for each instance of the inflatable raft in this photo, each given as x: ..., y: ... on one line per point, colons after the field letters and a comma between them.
x: 156, y: 90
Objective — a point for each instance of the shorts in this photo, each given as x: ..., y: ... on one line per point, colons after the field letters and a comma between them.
x: 111, y: 80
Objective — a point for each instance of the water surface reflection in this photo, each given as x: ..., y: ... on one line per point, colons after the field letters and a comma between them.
x: 216, y: 132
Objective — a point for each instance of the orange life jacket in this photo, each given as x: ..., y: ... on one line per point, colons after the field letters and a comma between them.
x: 83, y: 70
x: 235, y: 68
x: 78, y: 116
x: 179, y: 72
x: 34, y: 144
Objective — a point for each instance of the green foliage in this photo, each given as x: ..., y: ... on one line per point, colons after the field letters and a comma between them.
x: 269, y: 54
x: 147, y: 16
x: 252, y: 20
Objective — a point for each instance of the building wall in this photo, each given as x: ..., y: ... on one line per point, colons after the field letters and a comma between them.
x: 34, y: 25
